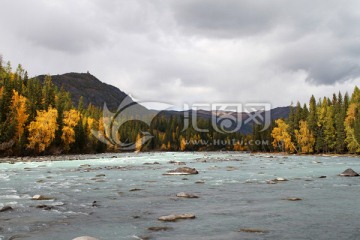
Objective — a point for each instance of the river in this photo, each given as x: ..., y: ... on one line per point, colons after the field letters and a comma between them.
x: 131, y: 193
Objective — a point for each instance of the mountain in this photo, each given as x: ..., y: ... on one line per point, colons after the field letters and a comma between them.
x: 90, y: 88
x: 275, y: 113
x: 97, y: 93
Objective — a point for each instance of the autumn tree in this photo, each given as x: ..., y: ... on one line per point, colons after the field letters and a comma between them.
x: 19, y: 113
x: 70, y: 120
x: 42, y: 130
x: 182, y: 144
x: 352, y: 117
x: 138, y: 143
x: 282, y: 138
x: 305, y: 138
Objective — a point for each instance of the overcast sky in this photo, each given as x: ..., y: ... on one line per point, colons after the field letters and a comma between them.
x: 187, y: 51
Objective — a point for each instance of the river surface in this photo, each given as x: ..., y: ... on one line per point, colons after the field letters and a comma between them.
x: 131, y: 193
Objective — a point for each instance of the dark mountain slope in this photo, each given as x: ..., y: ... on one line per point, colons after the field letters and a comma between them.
x: 92, y: 89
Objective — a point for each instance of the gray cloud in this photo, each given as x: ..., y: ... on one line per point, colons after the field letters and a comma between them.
x: 54, y: 25
x: 246, y: 18
x: 191, y: 50
x: 316, y: 36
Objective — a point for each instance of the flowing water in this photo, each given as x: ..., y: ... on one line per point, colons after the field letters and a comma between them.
x: 131, y: 193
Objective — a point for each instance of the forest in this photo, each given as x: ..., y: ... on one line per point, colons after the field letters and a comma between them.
x: 37, y: 118
x: 326, y: 126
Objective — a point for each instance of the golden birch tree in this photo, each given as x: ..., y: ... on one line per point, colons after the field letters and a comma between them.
x: 70, y: 120
x: 18, y: 108
x: 282, y: 138
x: 42, y: 130
x: 305, y: 138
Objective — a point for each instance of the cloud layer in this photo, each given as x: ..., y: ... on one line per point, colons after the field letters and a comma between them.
x: 185, y: 51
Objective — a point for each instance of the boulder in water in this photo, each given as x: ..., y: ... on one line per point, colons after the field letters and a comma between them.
x: 41, y: 197
x: 157, y: 229
x: 200, y: 182
x: 349, y: 173
x: 280, y: 179
x: 85, y: 238
x: 293, y: 199
x: 175, y: 217
x: 45, y: 207
x: 6, y: 208
x: 186, y: 195
x: 253, y: 230
x: 179, y: 163
x: 182, y: 171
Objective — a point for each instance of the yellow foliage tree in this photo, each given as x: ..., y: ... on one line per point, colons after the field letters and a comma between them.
x: 237, y: 146
x: 352, y: 144
x: 138, y: 143
x: 182, y: 144
x: 70, y: 120
x: 42, y: 130
x: 89, y: 124
x: 305, y: 138
x: 281, y: 137
x: 19, y: 114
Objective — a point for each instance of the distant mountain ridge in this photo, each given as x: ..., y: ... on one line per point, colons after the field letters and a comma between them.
x: 97, y: 93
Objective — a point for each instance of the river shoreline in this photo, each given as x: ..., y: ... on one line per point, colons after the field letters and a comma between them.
x: 73, y: 157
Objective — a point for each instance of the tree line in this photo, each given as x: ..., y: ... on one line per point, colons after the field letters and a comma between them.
x: 326, y: 126
x: 39, y: 118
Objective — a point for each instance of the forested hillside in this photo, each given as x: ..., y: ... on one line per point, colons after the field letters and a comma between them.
x: 40, y: 117
x: 326, y: 126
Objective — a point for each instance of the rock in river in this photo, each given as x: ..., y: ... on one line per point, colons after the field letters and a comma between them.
x: 179, y: 163
x: 293, y: 199
x: 157, y: 229
x: 41, y: 197
x: 186, y: 195
x: 349, y: 173
x: 253, y: 230
x: 6, y: 208
x: 182, y: 171
x: 175, y: 217
x: 280, y: 179
x: 45, y: 207
x: 85, y: 238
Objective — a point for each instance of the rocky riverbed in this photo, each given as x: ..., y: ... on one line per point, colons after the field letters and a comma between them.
x: 223, y: 195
